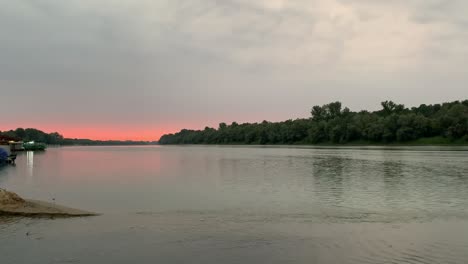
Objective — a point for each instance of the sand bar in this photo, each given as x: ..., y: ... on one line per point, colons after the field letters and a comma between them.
x: 13, y: 204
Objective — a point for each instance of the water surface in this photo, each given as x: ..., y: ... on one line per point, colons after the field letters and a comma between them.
x: 197, y: 204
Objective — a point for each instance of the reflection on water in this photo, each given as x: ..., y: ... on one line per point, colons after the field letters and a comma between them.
x: 242, y: 205
x: 328, y: 174
x: 30, y: 163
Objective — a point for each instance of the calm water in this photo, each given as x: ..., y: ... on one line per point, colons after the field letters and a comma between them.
x: 242, y: 205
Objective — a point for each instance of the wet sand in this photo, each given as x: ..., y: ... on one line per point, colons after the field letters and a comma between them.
x: 12, y: 204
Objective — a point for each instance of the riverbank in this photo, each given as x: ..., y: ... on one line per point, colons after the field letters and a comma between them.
x: 427, y: 141
x: 13, y: 204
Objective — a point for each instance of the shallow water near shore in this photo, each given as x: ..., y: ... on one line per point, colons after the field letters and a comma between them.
x: 236, y: 204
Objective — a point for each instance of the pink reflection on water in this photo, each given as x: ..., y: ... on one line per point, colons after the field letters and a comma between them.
x: 99, y: 164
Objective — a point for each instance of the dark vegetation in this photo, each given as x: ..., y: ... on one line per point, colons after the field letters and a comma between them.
x: 31, y: 134
x: 445, y: 123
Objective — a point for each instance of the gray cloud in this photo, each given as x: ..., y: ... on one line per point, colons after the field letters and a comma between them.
x: 191, y: 63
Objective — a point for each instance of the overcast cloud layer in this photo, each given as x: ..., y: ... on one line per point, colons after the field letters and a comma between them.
x: 136, y: 69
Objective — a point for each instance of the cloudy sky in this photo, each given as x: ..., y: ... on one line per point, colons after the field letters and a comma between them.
x: 134, y: 69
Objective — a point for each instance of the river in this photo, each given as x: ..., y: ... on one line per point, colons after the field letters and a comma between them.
x: 242, y: 204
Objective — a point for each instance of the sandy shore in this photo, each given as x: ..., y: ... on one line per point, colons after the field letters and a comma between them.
x: 12, y: 204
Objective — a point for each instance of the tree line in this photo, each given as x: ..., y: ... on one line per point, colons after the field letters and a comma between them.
x: 32, y: 134
x: 332, y: 124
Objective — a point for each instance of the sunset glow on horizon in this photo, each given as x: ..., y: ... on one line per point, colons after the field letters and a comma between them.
x: 132, y: 132
x: 100, y: 133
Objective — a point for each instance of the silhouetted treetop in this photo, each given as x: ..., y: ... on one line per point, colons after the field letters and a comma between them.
x: 331, y: 123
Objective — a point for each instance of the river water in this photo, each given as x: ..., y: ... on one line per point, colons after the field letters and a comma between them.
x: 213, y: 204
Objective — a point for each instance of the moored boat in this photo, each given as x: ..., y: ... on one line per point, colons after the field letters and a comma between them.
x: 34, y: 146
